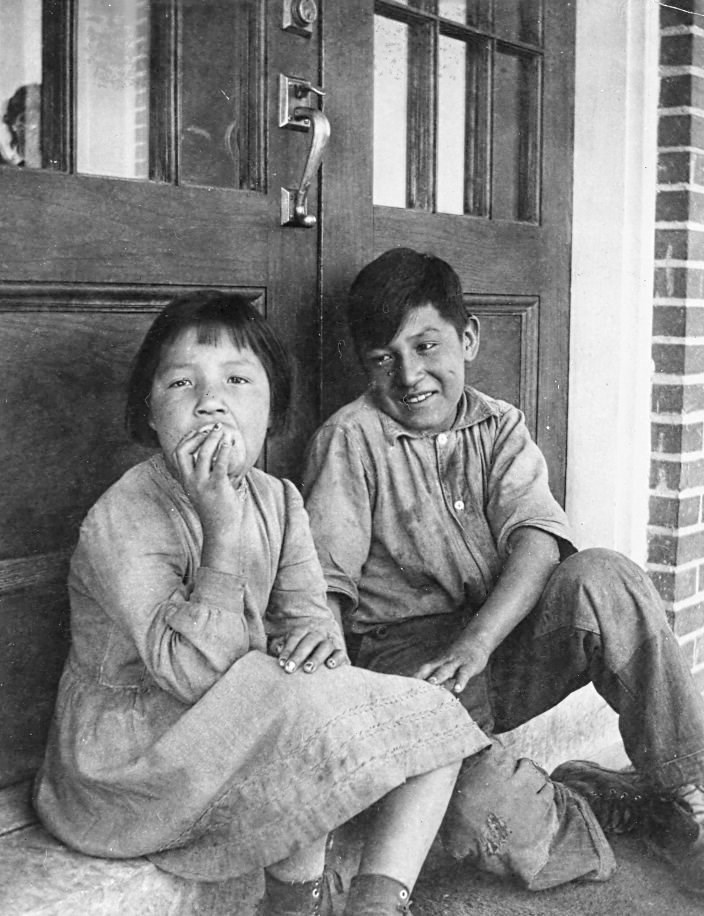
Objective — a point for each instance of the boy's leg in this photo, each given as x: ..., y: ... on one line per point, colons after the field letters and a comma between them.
x: 601, y: 620
x: 598, y: 620
x: 506, y: 815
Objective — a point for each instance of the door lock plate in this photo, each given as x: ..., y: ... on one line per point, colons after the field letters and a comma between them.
x: 295, y: 92
x: 299, y: 16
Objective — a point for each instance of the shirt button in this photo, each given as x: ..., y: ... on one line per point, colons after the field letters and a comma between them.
x: 459, y: 505
x: 442, y: 439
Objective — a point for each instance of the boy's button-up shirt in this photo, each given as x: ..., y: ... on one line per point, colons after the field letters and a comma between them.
x: 409, y: 524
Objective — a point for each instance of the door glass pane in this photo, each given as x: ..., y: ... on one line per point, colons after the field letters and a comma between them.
x: 112, y: 92
x: 20, y: 83
x: 515, y: 137
x: 390, y: 111
x: 518, y: 20
x: 451, y: 125
x: 218, y: 93
x: 453, y: 9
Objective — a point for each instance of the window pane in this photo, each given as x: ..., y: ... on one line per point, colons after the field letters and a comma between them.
x: 515, y: 137
x: 20, y: 83
x: 451, y: 125
x: 453, y: 9
x: 390, y: 111
x: 112, y: 130
x: 518, y: 20
x: 219, y: 74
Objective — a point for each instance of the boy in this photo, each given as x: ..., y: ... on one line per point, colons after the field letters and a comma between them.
x: 448, y: 559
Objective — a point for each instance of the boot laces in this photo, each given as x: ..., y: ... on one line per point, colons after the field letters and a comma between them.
x: 618, y: 812
x: 692, y: 798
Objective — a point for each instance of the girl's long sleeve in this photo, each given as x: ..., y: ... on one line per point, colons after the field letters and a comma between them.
x: 136, y: 571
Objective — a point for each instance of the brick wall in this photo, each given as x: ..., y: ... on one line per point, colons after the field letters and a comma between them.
x: 676, y: 528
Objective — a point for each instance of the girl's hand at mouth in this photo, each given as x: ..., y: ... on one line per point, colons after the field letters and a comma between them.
x: 211, y: 462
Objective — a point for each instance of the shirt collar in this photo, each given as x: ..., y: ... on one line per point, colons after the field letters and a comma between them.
x: 473, y: 408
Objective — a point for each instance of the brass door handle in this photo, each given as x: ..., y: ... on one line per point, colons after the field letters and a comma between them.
x: 296, y: 113
x: 294, y: 201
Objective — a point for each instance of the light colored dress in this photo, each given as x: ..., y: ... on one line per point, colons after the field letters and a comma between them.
x: 175, y: 734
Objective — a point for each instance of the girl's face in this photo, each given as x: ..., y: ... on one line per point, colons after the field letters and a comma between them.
x: 200, y: 384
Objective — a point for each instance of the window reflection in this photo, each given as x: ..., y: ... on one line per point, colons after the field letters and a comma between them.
x: 112, y: 135
x: 390, y: 111
x: 20, y: 83
x: 215, y: 132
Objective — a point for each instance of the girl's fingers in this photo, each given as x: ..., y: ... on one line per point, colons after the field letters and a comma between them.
x: 188, y: 447
x: 322, y: 653
x: 222, y: 457
x: 337, y: 659
x: 307, y: 651
x: 208, y: 448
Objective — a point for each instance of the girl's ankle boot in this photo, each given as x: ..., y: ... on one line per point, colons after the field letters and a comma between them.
x: 298, y: 898
x: 377, y: 895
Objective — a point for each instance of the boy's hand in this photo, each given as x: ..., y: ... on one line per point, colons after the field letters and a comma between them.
x: 308, y: 648
x: 464, y: 659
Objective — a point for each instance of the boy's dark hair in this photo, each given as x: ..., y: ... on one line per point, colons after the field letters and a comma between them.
x: 399, y: 280
x: 208, y: 311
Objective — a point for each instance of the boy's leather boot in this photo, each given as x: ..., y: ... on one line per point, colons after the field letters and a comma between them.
x: 671, y: 822
x: 304, y: 898
x: 377, y: 895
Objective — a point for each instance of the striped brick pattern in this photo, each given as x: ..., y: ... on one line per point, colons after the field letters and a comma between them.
x: 676, y: 525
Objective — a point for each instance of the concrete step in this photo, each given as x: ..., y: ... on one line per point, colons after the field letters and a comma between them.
x: 41, y: 877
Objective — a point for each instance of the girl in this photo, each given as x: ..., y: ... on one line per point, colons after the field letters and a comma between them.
x: 178, y: 733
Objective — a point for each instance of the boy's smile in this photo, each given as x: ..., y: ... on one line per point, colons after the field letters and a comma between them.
x: 418, y: 377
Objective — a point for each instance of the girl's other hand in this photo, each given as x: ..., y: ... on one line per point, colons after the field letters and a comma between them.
x: 308, y: 649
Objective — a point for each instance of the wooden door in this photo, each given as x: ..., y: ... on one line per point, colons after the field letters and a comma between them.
x: 143, y: 156
x: 461, y: 145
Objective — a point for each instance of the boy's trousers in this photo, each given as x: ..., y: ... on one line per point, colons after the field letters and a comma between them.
x: 599, y: 620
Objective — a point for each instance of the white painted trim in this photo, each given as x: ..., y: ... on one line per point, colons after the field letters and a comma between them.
x: 616, y: 111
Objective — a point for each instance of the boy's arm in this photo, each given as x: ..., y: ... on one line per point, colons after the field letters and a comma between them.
x: 533, y: 556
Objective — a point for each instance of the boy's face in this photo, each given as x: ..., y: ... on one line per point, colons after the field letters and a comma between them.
x: 418, y: 377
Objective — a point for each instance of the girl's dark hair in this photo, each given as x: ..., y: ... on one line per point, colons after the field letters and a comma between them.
x: 389, y: 287
x: 209, y: 312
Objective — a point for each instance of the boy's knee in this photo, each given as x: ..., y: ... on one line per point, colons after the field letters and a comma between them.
x: 597, y: 581
x: 595, y: 565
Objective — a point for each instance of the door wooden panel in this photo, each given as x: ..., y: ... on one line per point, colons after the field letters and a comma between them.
x: 507, y: 362
x: 521, y: 259
x: 86, y: 262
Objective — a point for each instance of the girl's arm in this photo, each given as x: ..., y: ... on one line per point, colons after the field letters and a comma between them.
x: 136, y: 564
x: 304, y: 630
